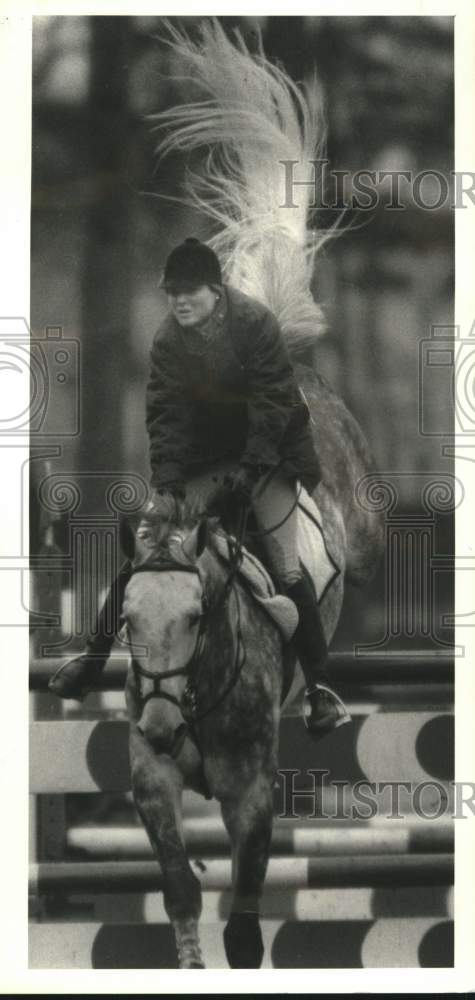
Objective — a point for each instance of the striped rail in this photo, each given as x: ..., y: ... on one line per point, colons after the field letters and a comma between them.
x: 337, y: 893
x: 206, y: 838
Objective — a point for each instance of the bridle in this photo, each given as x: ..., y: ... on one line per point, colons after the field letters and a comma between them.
x: 156, y: 566
x: 188, y: 704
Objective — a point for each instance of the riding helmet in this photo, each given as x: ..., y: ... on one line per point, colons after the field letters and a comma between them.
x: 193, y: 262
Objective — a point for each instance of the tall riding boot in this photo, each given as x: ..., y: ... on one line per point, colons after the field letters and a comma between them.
x: 76, y: 677
x: 324, y: 711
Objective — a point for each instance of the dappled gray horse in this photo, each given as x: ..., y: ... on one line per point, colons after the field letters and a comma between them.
x: 215, y: 660
x: 206, y: 676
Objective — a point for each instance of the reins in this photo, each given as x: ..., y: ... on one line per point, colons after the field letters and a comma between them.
x: 261, y: 533
x: 235, y: 558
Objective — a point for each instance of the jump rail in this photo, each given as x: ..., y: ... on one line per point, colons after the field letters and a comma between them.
x: 416, y: 667
x: 207, y: 838
x: 367, y: 943
x: 90, y: 755
x: 291, y: 873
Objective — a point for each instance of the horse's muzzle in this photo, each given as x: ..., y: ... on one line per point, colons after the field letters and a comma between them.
x: 162, y: 725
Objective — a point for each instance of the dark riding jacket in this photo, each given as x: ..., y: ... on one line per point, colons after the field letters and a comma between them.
x: 233, y: 396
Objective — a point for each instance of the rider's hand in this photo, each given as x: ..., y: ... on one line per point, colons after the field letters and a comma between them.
x: 175, y: 489
x: 163, y: 501
x: 241, y: 483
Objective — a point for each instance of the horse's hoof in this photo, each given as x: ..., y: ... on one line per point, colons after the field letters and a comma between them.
x: 243, y: 941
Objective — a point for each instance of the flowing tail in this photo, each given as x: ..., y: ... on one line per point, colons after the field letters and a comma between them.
x: 251, y: 118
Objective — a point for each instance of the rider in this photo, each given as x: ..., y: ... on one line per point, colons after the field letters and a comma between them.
x: 222, y: 389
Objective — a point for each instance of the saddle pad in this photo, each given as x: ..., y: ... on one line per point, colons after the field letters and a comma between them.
x: 313, y: 554
x: 280, y: 608
x: 312, y: 549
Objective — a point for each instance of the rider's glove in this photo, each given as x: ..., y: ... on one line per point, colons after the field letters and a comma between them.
x: 241, y: 483
x: 163, y: 502
x: 175, y: 489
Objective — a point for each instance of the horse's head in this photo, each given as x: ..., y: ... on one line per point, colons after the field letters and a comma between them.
x: 163, y: 610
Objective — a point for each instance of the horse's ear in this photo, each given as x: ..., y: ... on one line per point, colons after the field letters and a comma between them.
x: 127, y: 538
x: 202, y: 537
x: 196, y: 542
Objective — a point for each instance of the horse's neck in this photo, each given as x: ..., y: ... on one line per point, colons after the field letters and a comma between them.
x: 244, y: 645
x: 216, y: 575
x: 223, y: 620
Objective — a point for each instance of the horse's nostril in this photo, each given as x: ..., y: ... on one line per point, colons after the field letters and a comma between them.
x: 163, y: 728
x: 158, y: 739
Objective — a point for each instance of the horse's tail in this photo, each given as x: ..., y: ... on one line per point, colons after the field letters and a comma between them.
x: 348, y: 478
x: 261, y: 133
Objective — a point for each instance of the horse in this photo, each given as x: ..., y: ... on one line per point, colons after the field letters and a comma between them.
x: 207, y: 669
x: 206, y: 676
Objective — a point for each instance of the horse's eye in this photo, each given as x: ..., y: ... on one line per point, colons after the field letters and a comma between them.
x: 194, y: 618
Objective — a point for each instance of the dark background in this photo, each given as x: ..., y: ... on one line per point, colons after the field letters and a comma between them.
x: 100, y: 236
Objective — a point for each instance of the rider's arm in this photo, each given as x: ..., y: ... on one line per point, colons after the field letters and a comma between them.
x: 167, y: 416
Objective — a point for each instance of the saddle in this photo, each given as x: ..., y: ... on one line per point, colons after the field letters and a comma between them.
x: 316, y: 562
x: 255, y: 578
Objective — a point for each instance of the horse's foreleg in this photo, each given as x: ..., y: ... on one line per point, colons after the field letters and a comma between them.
x: 157, y: 785
x: 248, y: 820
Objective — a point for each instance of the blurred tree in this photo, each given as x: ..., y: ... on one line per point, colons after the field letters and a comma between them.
x: 99, y: 236
x: 388, y: 89
x: 106, y: 291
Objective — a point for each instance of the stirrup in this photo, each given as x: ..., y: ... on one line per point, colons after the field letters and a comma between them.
x: 323, y: 711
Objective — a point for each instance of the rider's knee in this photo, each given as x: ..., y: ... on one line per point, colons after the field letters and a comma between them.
x: 288, y: 578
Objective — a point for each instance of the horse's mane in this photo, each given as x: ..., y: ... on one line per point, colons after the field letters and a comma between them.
x: 183, y: 517
x: 249, y: 118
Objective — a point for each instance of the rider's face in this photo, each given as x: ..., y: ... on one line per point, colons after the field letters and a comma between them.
x: 191, y: 304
